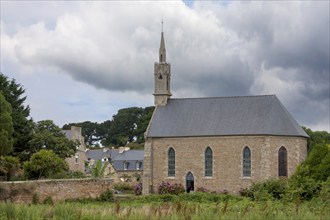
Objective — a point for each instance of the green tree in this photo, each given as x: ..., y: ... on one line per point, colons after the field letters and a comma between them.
x: 311, y: 174
x: 122, y: 128
x: 14, y: 94
x: 103, y: 131
x: 89, y: 131
x: 143, y: 122
x: 316, y: 137
x: 44, y: 164
x: 49, y: 136
x: 9, y: 165
x: 127, y: 126
x: 6, y: 127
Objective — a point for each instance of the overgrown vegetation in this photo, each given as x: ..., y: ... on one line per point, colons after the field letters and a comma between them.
x: 44, y: 164
x: 123, y: 187
x: 169, y: 188
x: 168, y: 206
x: 106, y: 196
x: 97, y: 170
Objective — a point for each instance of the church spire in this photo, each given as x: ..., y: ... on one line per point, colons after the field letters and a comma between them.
x: 162, y: 75
x: 162, y: 50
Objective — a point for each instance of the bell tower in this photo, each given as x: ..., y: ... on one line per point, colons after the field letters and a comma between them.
x: 162, y: 74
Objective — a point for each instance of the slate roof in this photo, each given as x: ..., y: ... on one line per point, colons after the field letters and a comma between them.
x: 130, y: 156
x: 97, y: 154
x: 117, y: 159
x: 223, y: 116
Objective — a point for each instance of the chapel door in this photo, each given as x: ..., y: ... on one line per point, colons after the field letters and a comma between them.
x: 189, y: 182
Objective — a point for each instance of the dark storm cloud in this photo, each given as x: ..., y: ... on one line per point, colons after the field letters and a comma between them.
x: 215, y: 49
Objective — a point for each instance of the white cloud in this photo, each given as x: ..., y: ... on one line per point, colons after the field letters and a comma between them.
x: 215, y: 49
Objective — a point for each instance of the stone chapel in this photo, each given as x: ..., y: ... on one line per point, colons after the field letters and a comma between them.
x: 219, y: 143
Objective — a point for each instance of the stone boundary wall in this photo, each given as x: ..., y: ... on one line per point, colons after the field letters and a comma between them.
x: 58, y: 190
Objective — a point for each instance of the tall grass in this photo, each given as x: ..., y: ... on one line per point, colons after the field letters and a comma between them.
x: 177, y: 208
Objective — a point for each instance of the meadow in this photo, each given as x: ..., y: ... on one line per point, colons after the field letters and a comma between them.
x: 184, y: 206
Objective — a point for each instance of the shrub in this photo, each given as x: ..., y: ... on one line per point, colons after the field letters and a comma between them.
x: 325, y: 191
x: 75, y: 174
x: 303, y: 187
x: 310, y: 175
x: 9, y: 165
x: 35, y: 198
x: 106, y: 196
x: 98, y: 170
x: 269, y: 189
x: 123, y: 187
x: 138, y: 189
x: 44, y: 164
x: 168, y: 188
x: 48, y: 200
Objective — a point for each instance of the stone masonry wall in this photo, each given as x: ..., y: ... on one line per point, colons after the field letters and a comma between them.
x: 227, y: 160
x: 23, y: 191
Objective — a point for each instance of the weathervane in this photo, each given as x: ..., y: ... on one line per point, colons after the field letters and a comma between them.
x: 162, y: 24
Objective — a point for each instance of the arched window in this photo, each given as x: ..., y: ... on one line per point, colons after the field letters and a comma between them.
x: 208, y: 162
x: 246, y: 161
x: 171, y: 162
x: 282, y: 162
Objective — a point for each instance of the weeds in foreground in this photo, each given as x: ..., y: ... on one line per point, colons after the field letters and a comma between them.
x: 177, y: 208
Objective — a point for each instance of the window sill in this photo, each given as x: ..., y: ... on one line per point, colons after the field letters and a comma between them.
x: 246, y: 177
x: 170, y: 178
x: 208, y: 177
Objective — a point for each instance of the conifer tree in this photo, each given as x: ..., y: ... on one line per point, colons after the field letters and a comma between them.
x: 6, y: 127
x: 22, y: 123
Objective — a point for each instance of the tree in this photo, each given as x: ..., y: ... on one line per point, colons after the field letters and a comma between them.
x: 316, y: 137
x: 128, y: 125
x: 6, y: 127
x: 123, y: 126
x: 89, y: 131
x: 9, y: 165
x: 44, y: 164
x: 49, y: 136
x: 311, y: 174
x: 143, y: 123
x: 13, y: 93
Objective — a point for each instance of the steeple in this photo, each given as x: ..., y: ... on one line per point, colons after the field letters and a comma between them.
x: 162, y: 75
x: 162, y: 50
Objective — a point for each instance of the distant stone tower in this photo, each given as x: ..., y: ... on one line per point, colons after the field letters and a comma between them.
x: 162, y: 76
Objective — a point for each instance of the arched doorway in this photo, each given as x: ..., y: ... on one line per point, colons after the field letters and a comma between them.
x: 189, y: 182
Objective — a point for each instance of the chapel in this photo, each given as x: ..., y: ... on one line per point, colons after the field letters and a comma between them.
x: 218, y: 143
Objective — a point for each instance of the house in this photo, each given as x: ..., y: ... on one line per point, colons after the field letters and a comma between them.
x: 76, y: 162
x: 218, y: 143
x: 126, y: 160
x: 123, y: 162
x: 103, y: 154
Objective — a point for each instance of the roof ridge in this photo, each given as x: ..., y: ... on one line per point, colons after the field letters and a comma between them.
x: 218, y: 97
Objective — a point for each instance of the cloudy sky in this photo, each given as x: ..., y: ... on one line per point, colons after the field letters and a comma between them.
x: 85, y: 60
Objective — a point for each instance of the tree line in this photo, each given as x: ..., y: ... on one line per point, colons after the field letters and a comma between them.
x: 28, y: 144
x: 125, y: 127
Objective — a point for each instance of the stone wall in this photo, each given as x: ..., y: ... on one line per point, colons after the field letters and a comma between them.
x: 58, y: 190
x: 227, y: 160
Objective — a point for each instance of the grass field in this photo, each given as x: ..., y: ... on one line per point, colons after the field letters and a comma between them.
x: 187, y: 206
